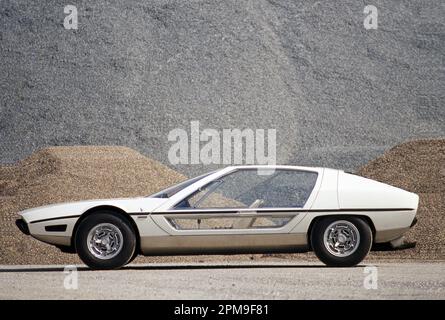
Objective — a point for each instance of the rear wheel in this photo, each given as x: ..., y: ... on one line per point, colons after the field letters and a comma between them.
x: 341, y: 242
x: 104, y: 240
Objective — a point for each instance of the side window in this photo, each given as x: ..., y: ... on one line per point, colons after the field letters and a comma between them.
x: 246, y: 189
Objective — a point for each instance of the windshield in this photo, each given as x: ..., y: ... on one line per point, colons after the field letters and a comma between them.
x: 170, y: 191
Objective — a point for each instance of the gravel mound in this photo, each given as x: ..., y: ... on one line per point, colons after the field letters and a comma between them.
x: 337, y: 94
x: 60, y: 174
x: 417, y: 166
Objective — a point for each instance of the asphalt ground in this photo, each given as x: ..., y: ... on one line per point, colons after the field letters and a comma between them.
x: 272, y: 280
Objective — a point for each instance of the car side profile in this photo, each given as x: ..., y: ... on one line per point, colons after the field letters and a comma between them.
x: 238, y: 209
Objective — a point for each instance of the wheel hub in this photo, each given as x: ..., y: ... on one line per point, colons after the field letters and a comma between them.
x: 341, y: 238
x: 105, y: 241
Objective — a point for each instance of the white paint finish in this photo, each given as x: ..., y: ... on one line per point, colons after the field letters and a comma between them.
x: 147, y: 226
x: 326, y: 197
x: 39, y: 228
x: 130, y: 205
x: 357, y: 192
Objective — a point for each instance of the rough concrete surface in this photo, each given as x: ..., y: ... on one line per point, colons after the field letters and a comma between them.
x: 272, y: 280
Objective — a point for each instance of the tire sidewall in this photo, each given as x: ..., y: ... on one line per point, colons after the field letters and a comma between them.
x: 128, y: 241
x: 317, y: 242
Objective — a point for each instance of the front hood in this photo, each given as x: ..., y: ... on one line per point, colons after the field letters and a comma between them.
x: 129, y: 205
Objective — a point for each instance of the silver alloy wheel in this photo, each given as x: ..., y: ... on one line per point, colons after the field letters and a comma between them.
x: 341, y: 238
x: 105, y: 241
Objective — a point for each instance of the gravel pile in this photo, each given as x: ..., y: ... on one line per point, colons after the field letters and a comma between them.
x: 417, y: 166
x: 61, y: 174
x: 337, y: 94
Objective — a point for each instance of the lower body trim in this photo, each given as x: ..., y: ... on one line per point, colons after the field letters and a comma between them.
x: 221, y: 244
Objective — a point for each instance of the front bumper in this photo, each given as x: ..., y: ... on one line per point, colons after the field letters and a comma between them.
x: 23, y: 226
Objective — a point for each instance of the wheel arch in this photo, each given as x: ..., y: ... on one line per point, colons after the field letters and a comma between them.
x: 113, y: 209
x: 367, y: 219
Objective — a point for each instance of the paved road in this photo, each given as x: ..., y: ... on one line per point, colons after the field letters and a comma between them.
x: 227, y: 281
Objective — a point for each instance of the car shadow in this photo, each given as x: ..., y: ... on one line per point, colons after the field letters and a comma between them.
x: 26, y: 269
x: 144, y: 267
x: 219, y: 266
x: 387, y: 246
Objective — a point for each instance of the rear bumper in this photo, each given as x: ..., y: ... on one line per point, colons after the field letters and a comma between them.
x: 392, y: 234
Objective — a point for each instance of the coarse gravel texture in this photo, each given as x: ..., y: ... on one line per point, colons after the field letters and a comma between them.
x: 60, y: 174
x: 339, y: 95
x: 419, y: 167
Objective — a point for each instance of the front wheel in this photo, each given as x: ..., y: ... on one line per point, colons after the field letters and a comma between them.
x: 105, y: 241
x: 341, y: 242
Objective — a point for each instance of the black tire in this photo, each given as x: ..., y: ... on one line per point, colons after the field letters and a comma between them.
x: 323, y: 253
x: 127, y: 244
x: 135, y: 255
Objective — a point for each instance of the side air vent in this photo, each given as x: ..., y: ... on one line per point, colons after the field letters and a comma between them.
x: 56, y: 228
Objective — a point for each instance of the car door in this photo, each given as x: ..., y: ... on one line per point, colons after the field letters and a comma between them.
x: 244, y: 210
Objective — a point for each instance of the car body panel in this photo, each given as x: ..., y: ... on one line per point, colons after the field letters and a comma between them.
x: 69, y: 213
x: 130, y: 205
x: 362, y: 193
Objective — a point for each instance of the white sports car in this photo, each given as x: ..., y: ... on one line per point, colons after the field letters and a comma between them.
x: 243, y: 209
